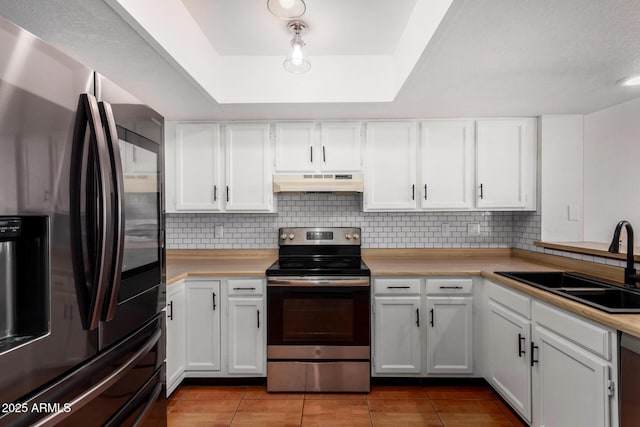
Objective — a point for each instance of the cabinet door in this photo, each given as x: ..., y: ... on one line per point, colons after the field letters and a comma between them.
x: 248, y: 168
x: 569, y: 384
x: 446, y: 164
x: 506, y: 164
x: 449, y: 335
x: 198, y: 167
x: 176, y: 344
x: 390, y: 167
x: 246, y: 335
x: 203, y: 325
x: 294, y: 147
x: 340, y: 148
x: 508, y: 352
x: 397, y: 344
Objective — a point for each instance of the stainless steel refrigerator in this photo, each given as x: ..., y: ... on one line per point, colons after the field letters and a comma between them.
x: 81, y: 244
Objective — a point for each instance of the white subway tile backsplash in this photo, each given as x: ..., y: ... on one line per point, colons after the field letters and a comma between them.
x: 379, y: 229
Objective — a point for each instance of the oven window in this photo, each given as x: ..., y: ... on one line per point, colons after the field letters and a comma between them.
x: 308, y: 319
x: 318, y: 316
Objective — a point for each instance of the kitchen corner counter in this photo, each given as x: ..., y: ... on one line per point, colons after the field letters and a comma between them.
x: 446, y: 262
x: 218, y: 262
x: 418, y: 262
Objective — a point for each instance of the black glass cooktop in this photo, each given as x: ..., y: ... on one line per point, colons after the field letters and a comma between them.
x: 319, y: 266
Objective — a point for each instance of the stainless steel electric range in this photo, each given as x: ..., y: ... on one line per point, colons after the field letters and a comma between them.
x: 318, y: 312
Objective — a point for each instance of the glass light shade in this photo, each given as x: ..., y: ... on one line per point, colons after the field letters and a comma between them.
x: 296, y: 61
x: 630, y: 81
x: 287, y: 9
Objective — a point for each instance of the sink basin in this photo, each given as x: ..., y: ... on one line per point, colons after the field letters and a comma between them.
x: 589, y: 291
x: 611, y: 300
x: 558, y: 280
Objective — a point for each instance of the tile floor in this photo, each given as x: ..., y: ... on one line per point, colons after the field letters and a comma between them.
x: 392, y: 406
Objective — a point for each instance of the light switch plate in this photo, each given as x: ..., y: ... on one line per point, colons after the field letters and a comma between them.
x: 473, y: 229
x: 218, y: 231
x: 573, y: 212
x: 445, y: 230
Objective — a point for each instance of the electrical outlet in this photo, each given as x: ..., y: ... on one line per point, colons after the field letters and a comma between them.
x: 218, y: 231
x: 473, y: 229
x: 445, y: 230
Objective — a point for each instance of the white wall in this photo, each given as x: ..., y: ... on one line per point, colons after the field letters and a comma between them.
x: 611, y: 169
x: 561, y: 170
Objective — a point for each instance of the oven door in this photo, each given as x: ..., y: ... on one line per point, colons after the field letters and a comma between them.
x: 318, y: 311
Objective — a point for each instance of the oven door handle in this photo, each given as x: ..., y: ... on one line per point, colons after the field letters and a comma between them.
x: 319, y: 281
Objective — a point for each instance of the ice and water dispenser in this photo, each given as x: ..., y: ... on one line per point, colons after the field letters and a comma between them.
x: 24, y: 294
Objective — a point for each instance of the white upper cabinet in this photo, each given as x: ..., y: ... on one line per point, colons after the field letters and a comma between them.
x: 390, y: 166
x: 295, y: 147
x: 446, y: 164
x: 506, y: 164
x: 198, y: 164
x: 340, y: 146
x: 249, y: 176
x: 208, y: 173
x: 307, y: 147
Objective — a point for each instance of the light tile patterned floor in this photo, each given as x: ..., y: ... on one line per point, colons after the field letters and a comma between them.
x: 449, y: 406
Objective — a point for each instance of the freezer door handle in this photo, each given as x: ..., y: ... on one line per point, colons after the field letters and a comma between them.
x: 117, y: 179
x: 89, y: 187
x: 89, y: 395
x: 145, y: 411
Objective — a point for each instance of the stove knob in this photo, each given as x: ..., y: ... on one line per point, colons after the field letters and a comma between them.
x: 348, y: 236
x: 291, y: 236
x: 283, y: 236
x: 356, y: 236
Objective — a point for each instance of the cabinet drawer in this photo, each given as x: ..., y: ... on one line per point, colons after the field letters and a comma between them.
x: 595, y: 338
x: 245, y: 286
x: 449, y: 286
x: 514, y: 301
x: 396, y: 286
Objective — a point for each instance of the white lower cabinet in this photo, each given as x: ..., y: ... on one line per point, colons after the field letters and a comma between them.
x: 397, y: 343
x: 203, y: 325
x: 223, y: 329
x: 246, y: 327
x: 507, y: 348
x: 449, y: 335
x: 570, y: 386
x: 422, y: 327
x: 176, y: 345
x: 553, y: 367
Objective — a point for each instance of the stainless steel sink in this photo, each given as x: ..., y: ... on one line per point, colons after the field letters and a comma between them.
x: 586, y: 290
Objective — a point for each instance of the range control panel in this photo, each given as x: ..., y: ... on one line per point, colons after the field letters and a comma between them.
x: 319, y: 236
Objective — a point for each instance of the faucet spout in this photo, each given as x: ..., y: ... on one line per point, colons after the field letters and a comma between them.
x: 630, y: 276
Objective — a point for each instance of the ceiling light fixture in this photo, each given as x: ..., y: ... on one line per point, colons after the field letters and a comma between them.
x: 296, y: 61
x: 287, y: 9
x: 630, y: 81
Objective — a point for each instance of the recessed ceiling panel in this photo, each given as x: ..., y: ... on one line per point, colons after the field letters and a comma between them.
x: 336, y: 27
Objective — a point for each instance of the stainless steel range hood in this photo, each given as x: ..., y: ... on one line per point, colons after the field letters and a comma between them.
x: 318, y: 183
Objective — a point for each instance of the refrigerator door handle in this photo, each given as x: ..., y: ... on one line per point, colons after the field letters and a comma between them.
x: 90, y: 294
x: 111, y: 132
x: 89, y: 395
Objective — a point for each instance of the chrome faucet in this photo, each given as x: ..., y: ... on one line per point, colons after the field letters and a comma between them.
x: 630, y: 276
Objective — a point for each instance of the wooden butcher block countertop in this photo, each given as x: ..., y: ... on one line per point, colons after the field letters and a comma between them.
x: 420, y: 262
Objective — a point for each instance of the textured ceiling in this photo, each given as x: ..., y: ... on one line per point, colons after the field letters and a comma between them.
x: 488, y: 58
